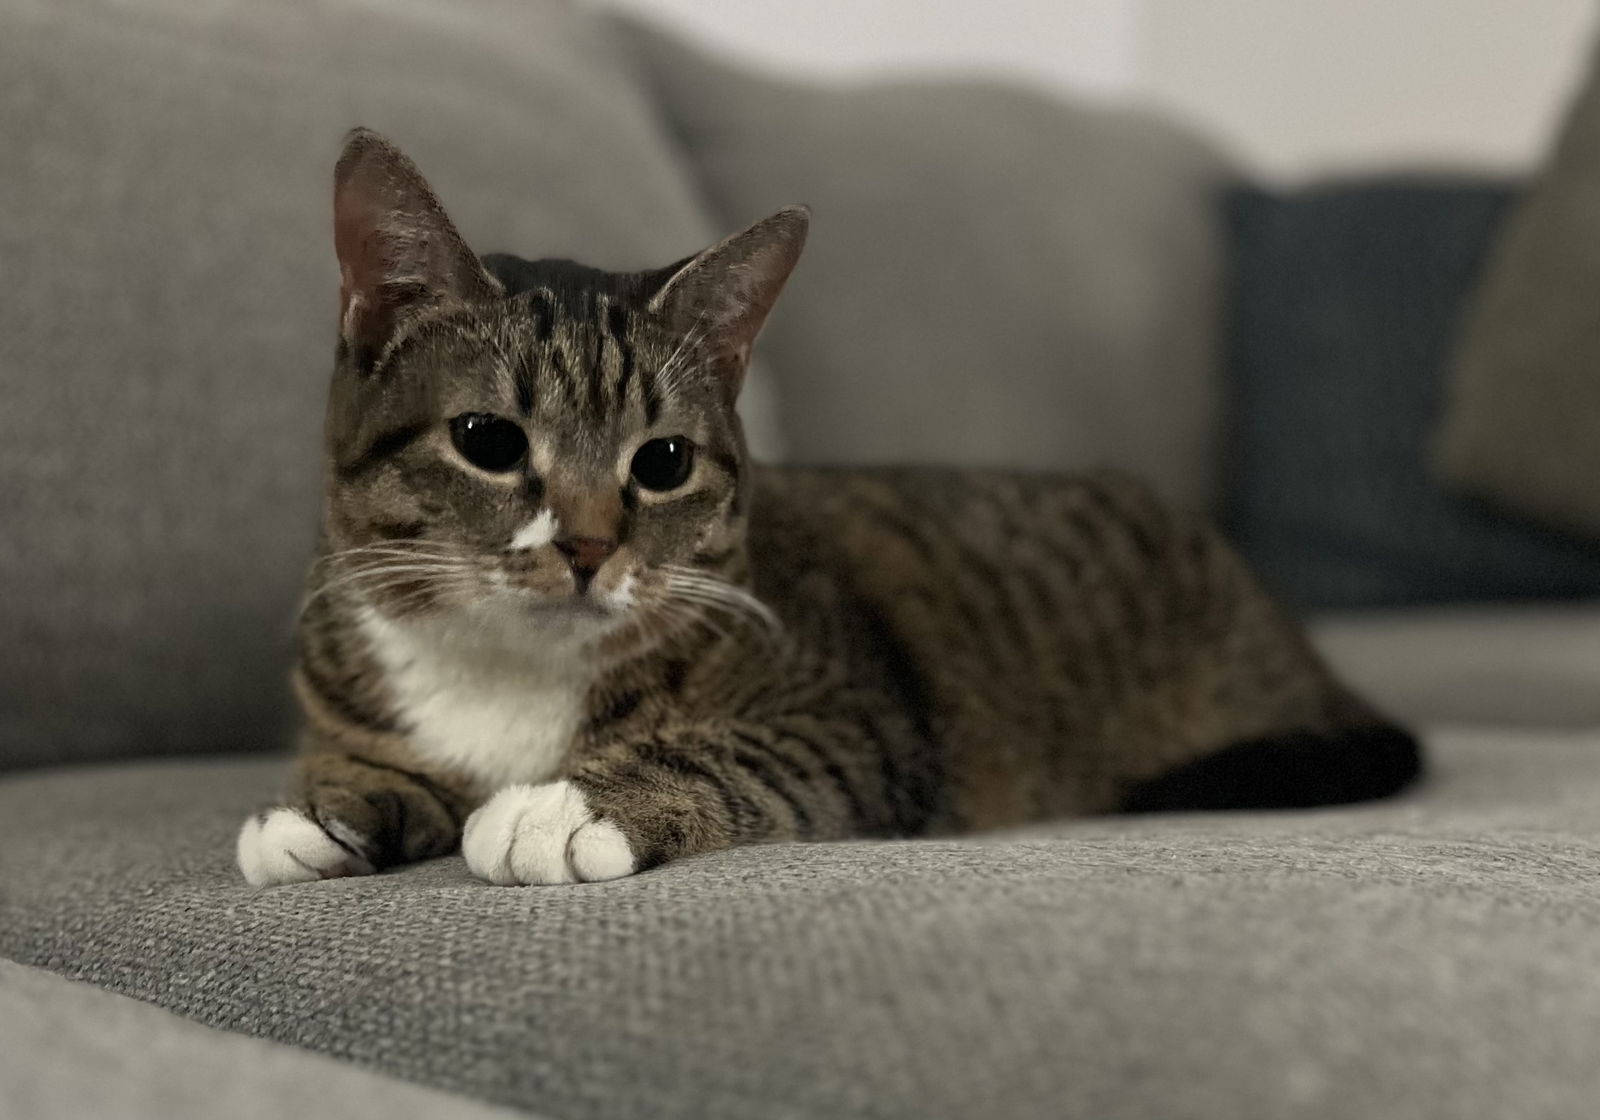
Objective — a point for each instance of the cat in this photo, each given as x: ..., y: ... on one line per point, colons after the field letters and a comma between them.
x: 561, y: 621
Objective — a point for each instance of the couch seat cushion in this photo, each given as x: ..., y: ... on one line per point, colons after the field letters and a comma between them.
x: 71, y: 1050
x: 1431, y: 957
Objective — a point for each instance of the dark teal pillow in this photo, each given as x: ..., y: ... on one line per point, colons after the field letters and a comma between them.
x: 1346, y: 301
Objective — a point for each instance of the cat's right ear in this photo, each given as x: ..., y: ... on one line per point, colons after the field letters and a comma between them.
x: 398, y: 251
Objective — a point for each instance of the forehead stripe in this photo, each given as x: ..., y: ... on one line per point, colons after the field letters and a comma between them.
x: 525, y: 383
x: 617, y: 324
x: 543, y: 315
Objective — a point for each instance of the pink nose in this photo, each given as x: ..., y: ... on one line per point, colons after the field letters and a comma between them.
x: 586, y: 554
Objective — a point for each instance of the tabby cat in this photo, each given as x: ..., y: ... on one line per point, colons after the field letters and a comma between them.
x: 561, y: 621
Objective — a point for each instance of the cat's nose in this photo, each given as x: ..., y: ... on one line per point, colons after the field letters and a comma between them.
x: 585, y: 554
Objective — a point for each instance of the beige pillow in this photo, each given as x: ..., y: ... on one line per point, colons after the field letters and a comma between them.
x: 1522, y: 425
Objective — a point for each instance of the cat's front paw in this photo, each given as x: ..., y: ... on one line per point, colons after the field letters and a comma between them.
x: 286, y: 846
x: 544, y: 834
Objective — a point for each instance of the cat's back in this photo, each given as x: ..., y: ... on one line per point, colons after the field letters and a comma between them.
x: 1048, y: 620
x: 989, y: 579
x: 967, y: 535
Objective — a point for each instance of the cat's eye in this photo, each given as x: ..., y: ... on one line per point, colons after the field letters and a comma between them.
x: 663, y: 464
x: 488, y: 442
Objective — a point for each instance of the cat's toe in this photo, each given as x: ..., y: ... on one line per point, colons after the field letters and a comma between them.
x: 599, y: 851
x: 544, y: 834
x: 285, y: 846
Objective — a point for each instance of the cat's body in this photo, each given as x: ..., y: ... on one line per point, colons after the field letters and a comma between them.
x: 596, y: 657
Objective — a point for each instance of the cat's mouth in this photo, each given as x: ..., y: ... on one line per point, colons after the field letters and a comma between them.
x: 589, y: 601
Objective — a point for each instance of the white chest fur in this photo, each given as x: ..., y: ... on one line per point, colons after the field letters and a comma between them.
x: 494, y: 710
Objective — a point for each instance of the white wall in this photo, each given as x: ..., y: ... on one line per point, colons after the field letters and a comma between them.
x: 1300, y: 86
x: 1295, y: 87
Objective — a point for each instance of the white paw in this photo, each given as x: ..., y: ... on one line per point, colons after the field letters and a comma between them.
x: 543, y: 834
x: 286, y: 846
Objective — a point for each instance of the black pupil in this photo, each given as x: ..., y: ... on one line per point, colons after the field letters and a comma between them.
x: 663, y: 464
x: 488, y: 441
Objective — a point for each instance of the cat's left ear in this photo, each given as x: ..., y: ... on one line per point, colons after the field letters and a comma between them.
x: 398, y: 250
x: 721, y: 298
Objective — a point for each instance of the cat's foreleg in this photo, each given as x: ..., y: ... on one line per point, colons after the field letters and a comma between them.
x: 351, y: 813
x: 691, y: 788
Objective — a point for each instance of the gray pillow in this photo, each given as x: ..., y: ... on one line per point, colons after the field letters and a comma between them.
x: 168, y: 324
x: 1522, y: 428
x: 992, y: 276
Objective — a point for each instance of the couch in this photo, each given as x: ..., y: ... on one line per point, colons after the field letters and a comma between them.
x: 995, y: 277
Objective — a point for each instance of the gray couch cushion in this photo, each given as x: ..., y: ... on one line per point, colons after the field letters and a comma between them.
x: 73, y: 1051
x: 1435, y: 957
x: 1522, y: 429
x: 992, y: 276
x: 1497, y: 665
x: 167, y: 329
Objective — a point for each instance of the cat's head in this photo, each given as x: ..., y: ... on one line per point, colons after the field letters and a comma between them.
x: 533, y: 441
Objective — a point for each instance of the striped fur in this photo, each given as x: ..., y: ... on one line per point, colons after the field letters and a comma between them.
x: 760, y: 654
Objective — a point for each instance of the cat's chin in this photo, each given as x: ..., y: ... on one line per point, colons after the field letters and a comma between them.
x: 576, y: 616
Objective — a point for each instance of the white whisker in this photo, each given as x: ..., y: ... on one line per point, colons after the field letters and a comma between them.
x: 353, y: 575
x: 715, y: 593
x: 688, y: 615
x: 384, y: 573
x: 398, y: 545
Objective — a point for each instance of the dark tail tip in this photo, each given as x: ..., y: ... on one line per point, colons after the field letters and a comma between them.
x: 1295, y: 771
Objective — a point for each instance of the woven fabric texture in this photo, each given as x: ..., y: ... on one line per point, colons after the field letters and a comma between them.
x: 1432, y: 957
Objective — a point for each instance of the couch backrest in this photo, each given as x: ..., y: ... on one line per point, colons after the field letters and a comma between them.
x: 994, y: 276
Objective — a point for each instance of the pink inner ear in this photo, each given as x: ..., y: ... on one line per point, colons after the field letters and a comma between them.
x: 362, y: 267
x: 351, y: 302
x: 397, y: 249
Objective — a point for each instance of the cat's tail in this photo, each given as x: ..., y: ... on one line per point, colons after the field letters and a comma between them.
x: 1292, y: 771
